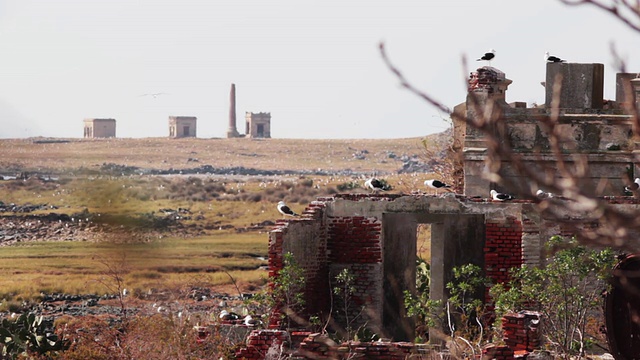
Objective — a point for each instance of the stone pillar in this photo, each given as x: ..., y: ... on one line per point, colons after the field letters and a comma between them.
x: 635, y: 86
x: 624, y: 92
x: 487, y: 89
x: 232, y: 132
x: 582, y: 85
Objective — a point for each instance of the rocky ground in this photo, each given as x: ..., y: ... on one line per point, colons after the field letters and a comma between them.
x: 18, y: 225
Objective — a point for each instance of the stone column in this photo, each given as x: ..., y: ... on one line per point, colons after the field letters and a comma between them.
x: 232, y: 132
x: 635, y: 85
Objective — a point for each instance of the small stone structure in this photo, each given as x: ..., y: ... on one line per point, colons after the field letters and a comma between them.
x: 258, y: 125
x: 99, y: 128
x: 182, y: 126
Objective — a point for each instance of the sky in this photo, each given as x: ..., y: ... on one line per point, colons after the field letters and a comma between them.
x: 314, y: 65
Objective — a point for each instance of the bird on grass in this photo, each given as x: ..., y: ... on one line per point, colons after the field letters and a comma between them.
x: 285, y: 210
x: 496, y: 196
x: 374, y: 185
x: 436, y: 184
x: 633, y: 188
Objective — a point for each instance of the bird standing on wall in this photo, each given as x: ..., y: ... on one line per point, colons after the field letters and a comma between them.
x: 633, y: 188
x: 285, y: 210
x: 551, y: 58
x: 250, y: 321
x: 543, y: 194
x: 496, y: 196
x: 228, y: 316
x: 488, y: 56
x: 436, y: 184
x: 374, y: 185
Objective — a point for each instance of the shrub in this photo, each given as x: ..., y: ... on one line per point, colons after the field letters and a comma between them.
x: 567, y: 292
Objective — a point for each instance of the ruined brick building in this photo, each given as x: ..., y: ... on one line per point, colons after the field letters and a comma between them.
x: 374, y: 236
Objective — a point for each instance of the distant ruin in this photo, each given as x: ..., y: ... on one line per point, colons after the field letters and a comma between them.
x: 258, y: 125
x: 182, y: 126
x: 374, y: 236
x: 99, y: 128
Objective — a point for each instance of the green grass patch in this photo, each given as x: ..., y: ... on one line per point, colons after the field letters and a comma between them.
x: 81, y: 267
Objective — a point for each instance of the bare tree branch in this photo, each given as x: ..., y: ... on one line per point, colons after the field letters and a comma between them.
x: 628, y: 12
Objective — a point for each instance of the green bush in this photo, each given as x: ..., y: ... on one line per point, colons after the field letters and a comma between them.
x: 567, y: 292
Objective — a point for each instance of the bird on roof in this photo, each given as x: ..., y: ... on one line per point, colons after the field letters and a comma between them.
x: 228, y: 316
x: 487, y: 56
x: 551, y: 58
x: 543, y: 194
x: 497, y: 196
x: 374, y: 185
x: 633, y: 187
x: 436, y: 184
x: 285, y: 210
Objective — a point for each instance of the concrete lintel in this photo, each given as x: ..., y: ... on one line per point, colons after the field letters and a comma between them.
x: 474, y: 150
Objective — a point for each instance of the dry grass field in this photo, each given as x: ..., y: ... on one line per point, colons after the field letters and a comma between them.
x: 164, y: 153
x: 218, y: 236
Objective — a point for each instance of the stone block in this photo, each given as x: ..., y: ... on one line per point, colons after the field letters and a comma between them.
x: 582, y: 85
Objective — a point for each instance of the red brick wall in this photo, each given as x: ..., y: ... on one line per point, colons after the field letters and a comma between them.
x: 262, y: 342
x: 314, y: 265
x: 502, y: 249
x: 521, y: 330
x: 354, y: 240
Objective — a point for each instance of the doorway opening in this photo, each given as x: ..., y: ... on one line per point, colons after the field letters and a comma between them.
x: 449, y: 240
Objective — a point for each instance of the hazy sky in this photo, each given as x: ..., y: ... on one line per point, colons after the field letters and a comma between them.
x: 314, y: 65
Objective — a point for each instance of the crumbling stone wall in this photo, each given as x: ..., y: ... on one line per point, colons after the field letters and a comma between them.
x: 602, y: 135
x: 374, y: 237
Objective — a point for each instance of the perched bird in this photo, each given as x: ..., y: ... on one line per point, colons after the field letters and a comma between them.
x: 228, y: 316
x: 436, y: 184
x: 488, y: 56
x: 285, y: 210
x: 633, y: 187
x: 250, y: 321
x: 500, y: 196
x: 551, y: 58
x: 374, y: 184
x: 543, y: 195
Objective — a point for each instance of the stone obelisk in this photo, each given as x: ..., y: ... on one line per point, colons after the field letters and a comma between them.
x: 232, y: 131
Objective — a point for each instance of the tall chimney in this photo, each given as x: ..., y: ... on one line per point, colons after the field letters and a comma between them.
x: 232, y: 131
